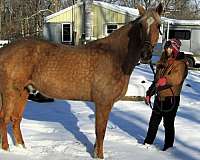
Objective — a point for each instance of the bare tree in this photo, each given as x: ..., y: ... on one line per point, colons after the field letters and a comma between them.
x: 180, y: 9
x: 1, y: 6
x: 25, y: 18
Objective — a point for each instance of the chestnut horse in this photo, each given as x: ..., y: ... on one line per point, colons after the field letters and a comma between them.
x: 98, y: 72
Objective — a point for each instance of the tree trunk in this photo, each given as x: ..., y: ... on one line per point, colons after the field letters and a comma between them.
x: 88, y: 19
x: 1, y: 5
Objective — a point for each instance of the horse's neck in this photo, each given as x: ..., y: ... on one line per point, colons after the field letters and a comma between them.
x: 118, y: 41
x: 125, y: 44
x: 135, y: 46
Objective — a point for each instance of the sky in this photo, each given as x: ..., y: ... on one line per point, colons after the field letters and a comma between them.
x: 64, y: 130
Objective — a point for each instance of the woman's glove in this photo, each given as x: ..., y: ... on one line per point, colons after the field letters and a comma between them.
x: 161, y: 82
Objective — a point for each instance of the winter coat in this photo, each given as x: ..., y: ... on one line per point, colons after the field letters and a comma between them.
x: 175, y: 72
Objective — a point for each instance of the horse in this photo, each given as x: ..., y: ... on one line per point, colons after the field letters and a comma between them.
x: 98, y: 71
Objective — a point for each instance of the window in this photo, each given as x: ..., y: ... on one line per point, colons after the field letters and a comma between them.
x: 179, y: 34
x: 110, y: 28
x: 66, y: 32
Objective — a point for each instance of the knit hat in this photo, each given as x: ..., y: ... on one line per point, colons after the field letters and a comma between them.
x: 175, y: 45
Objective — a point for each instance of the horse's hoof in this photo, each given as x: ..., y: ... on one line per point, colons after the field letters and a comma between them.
x: 21, y: 146
x: 5, y: 149
x: 95, y: 156
x: 1, y: 145
x: 99, y: 158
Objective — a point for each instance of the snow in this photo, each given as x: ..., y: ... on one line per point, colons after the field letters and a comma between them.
x: 118, y: 8
x: 65, y: 129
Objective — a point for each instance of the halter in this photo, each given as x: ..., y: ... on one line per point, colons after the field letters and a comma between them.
x: 145, y: 36
x: 160, y: 31
x: 148, y: 43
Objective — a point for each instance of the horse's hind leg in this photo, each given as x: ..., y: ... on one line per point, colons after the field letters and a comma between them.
x: 3, y: 134
x: 102, y: 115
x: 17, y: 117
x: 9, y: 99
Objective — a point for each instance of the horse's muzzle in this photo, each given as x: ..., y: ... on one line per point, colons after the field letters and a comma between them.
x: 146, y: 53
x: 145, y: 61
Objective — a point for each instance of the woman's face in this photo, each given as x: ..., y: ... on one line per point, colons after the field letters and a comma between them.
x: 168, y: 51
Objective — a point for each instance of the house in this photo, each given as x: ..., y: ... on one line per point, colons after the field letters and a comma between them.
x: 75, y: 25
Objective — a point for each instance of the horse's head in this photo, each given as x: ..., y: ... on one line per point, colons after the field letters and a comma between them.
x: 149, y: 22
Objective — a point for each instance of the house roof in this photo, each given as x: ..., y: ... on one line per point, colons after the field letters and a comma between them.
x: 120, y: 9
x: 113, y: 7
x: 182, y: 22
x: 61, y: 12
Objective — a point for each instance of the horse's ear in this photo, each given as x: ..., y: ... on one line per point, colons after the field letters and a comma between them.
x: 159, y: 9
x: 141, y: 9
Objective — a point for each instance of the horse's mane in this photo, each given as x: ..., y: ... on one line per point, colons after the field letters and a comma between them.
x: 117, y: 41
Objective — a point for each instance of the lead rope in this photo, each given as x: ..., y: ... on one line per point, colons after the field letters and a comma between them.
x: 157, y: 95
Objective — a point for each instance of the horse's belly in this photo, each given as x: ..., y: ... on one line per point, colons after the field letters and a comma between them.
x: 71, y: 91
x: 63, y: 85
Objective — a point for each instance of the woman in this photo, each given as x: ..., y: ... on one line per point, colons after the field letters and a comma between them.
x: 171, y: 72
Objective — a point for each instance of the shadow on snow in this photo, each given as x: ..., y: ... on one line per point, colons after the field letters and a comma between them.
x: 60, y: 111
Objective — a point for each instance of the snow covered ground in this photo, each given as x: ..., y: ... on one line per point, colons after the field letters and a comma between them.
x: 64, y: 130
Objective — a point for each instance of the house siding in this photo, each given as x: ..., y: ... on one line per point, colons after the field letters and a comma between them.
x: 100, y: 17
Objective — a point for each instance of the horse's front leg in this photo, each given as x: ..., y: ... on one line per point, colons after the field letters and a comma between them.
x: 101, y: 115
x: 17, y: 117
